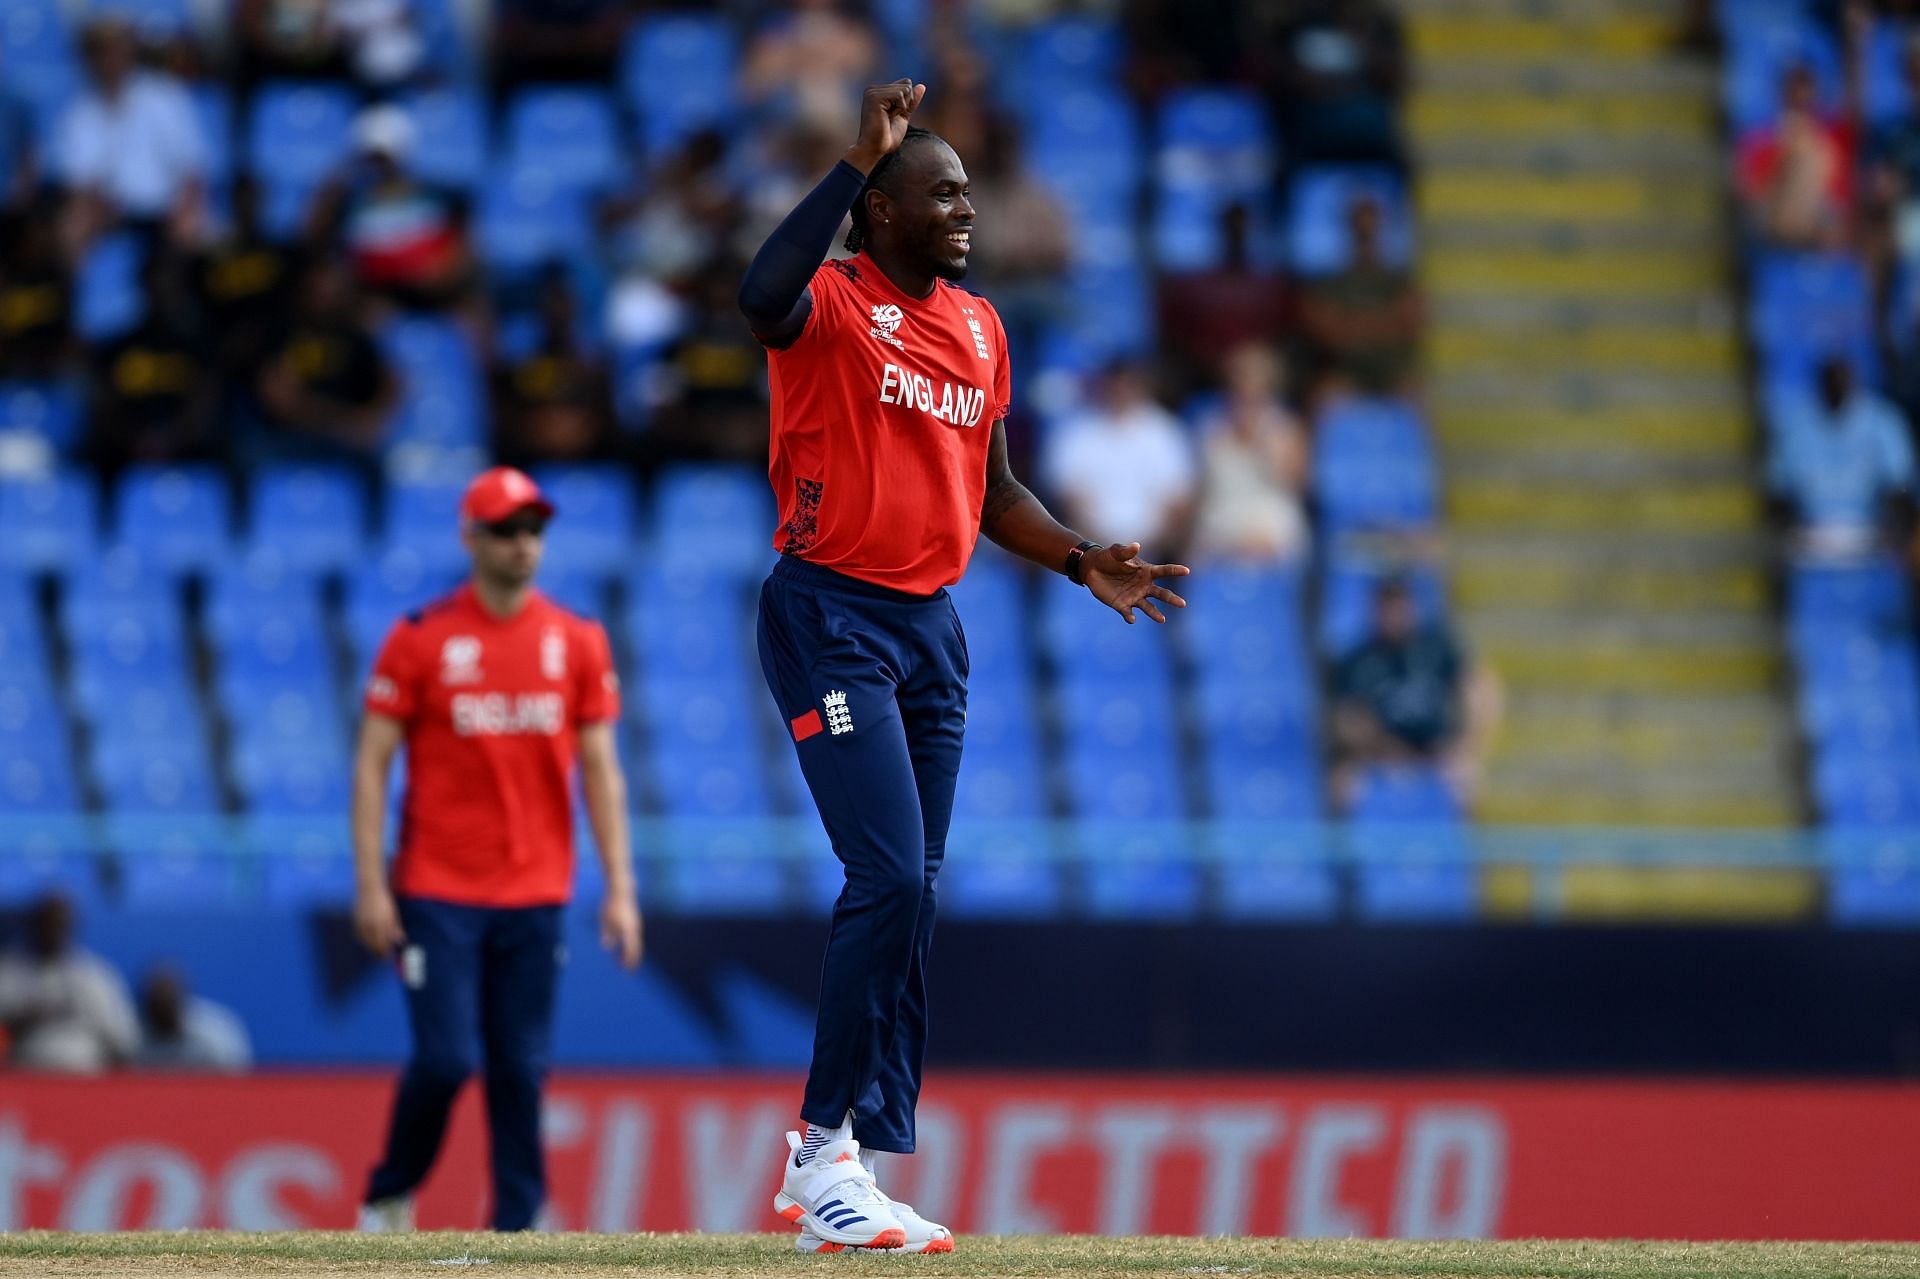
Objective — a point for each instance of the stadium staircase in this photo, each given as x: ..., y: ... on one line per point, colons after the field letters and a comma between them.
x: 1584, y: 381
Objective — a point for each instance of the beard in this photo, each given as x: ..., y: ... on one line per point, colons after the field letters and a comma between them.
x: 953, y: 271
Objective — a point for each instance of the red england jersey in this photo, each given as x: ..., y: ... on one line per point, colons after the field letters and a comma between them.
x: 883, y: 408
x: 491, y: 708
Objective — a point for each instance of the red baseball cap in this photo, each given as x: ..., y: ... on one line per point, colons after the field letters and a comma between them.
x: 500, y: 492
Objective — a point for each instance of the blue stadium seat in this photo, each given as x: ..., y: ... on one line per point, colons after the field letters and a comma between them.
x: 529, y: 219
x: 423, y: 519
x: 1237, y: 647
x: 1268, y: 871
x: 1318, y: 240
x: 450, y: 143
x: 179, y: 863
x: 1268, y: 722
x: 1875, y: 595
x: 30, y: 716
x: 38, y: 783
x: 1085, y: 125
x: 991, y: 604
x: 594, y: 531
x: 584, y: 594
x: 1873, y: 879
x: 443, y: 400
x: 1090, y: 644
x: 690, y: 782
x: 718, y: 514
x: 1001, y: 870
x: 44, y: 409
x: 40, y: 62
x: 566, y: 133
x: 274, y: 649
x: 1268, y: 790
x: 1418, y: 892
x: 150, y: 714
x: 285, y: 721
x: 1149, y: 873
x: 677, y: 72
x: 314, y: 516
x: 1805, y: 306
x: 1405, y: 794
x: 1065, y: 52
x: 302, y: 862
x: 261, y: 583
x: 401, y: 580
x: 51, y: 522
x: 1215, y: 142
x: 1759, y: 52
x: 298, y: 135
x: 154, y: 19
x: 1868, y: 790
x: 717, y: 866
x: 276, y: 784
x: 120, y: 586
x: 170, y: 777
x: 107, y: 296
x: 213, y: 107
x: 50, y: 853
x: 996, y: 784
x: 179, y: 515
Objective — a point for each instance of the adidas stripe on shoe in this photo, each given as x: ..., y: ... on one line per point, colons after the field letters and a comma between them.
x: 836, y: 1199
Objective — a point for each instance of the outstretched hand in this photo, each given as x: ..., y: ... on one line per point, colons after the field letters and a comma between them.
x: 1121, y: 580
x: 885, y: 113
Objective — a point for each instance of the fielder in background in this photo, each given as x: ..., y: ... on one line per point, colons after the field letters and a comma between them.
x: 496, y: 692
x: 889, y: 459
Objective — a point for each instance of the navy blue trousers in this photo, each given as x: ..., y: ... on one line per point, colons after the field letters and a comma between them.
x: 872, y: 684
x: 480, y: 978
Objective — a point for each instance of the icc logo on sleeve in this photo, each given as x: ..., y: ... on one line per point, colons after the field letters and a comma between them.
x: 460, y: 660
x: 886, y: 321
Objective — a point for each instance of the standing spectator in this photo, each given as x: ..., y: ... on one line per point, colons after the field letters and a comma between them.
x: 1796, y: 178
x: 555, y: 403
x: 1363, y: 321
x: 63, y: 1008
x: 1253, y: 466
x: 182, y: 1031
x: 154, y: 394
x: 36, y: 295
x: 1021, y: 247
x: 1204, y: 314
x: 806, y: 63
x: 131, y: 147
x: 1124, y: 463
x: 408, y: 241
x: 1843, y: 467
x: 498, y: 695
x: 1407, y: 696
x: 324, y: 391
x: 246, y: 284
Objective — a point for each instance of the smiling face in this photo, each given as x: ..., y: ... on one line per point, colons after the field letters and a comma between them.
x: 922, y: 216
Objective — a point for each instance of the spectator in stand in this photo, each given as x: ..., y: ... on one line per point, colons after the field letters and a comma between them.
x: 36, y: 295
x: 1253, y: 466
x: 1893, y: 168
x: 962, y: 112
x: 1796, y: 177
x: 408, y: 241
x: 131, y: 148
x: 1337, y: 69
x: 1843, y: 468
x: 569, y: 40
x: 181, y: 1031
x: 679, y: 218
x: 555, y: 402
x: 325, y: 392
x: 711, y: 388
x: 1407, y: 696
x: 1178, y: 42
x: 63, y: 1008
x: 153, y: 392
x: 1022, y: 246
x: 1124, y: 462
x: 1363, y: 322
x: 246, y: 283
x: 373, y: 41
x: 1205, y: 314
x: 19, y: 153
x: 807, y: 63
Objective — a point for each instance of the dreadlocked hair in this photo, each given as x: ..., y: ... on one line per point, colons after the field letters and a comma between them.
x: 876, y: 180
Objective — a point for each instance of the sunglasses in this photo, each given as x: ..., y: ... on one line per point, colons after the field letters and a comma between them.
x: 512, y: 527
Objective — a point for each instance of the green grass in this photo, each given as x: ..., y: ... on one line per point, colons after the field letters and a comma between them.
x: 37, y: 1253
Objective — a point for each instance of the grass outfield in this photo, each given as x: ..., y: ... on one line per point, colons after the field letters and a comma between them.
x: 39, y: 1253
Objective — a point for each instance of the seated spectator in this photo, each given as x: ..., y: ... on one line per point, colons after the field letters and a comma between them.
x: 153, y: 389
x: 710, y: 389
x: 63, y: 1008
x: 408, y: 241
x: 36, y: 295
x: 181, y: 1031
x: 373, y: 41
x: 1363, y: 322
x: 1894, y: 165
x: 1407, y: 696
x: 131, y: 147
x: 246, y: 283
x: 554, y: 401
x: 1337, y: 69
x: 570, y: 40
x: 1205, y: 314
x: 680, y: 218
x: 1253, y: 466
x: 1796, y: 178
x: 808, y: 63
x: 1843, y: 467
x: 1022, y: 246
x: 1123, y: 466
x: 324, y: 390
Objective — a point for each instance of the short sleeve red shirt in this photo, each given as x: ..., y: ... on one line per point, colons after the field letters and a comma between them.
x: 883, y: 409
x: 492, y: 709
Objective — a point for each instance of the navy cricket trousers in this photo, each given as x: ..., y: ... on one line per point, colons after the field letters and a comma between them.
x: 873, y: 686
x: 475, y: 977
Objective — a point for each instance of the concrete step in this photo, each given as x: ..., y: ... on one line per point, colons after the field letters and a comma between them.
x: 1498, y: 580
x: 1618, y: 468
x: 1461, y: 423
x: 1685, y: 117
x: 1569, y: 11
x: 1561, y: 155
x: 1511, y: 623
x: 1485, y: 234
x: 1460, y: 348
x: 1602, y: 33
x: 1627, y: 392
x: 1713, y: 313
x: 1646, y: 80
x: 1512, y: 198
x: 1528, y: 509
x: 1563, y: 799
x: 1574, y: 272
x: 1598, y: 666
x: 1625, y: 550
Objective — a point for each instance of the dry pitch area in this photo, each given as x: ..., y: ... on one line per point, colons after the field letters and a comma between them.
x: 553, y: 1256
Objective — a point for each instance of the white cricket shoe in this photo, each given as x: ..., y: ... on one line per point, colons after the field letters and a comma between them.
x: 387, y: 1216
x: 922, y: 1235
x: 833, y: 1196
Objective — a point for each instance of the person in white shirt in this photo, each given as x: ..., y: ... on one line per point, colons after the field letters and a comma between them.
x: 182, y: 1031
x: 64, y: 1009
x: 1123, y: 466
x: 1253, y: 452
x: 131, y: 148
x: 1843, y: 466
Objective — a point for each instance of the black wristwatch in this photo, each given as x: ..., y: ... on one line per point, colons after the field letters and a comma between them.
x: 1074, y: 557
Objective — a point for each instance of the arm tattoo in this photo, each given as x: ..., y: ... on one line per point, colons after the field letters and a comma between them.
x: 1002, y: 496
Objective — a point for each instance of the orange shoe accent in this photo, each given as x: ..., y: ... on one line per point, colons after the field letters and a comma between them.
x: 888, y: 1239
x: 939, y: 1245
x: 793, y: 1212
x: 832, y: 1247
x: 848, y: 1158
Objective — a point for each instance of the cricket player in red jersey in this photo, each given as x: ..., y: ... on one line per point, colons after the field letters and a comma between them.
x: 496, y: 692
x: 889, y: 459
